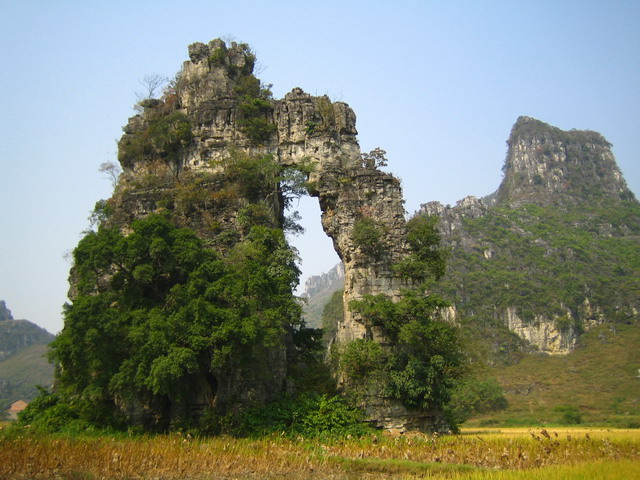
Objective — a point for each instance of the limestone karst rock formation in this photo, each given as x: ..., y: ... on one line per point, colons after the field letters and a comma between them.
x: 216, y: 110
x: 560, y: 189
x: 546, y: 165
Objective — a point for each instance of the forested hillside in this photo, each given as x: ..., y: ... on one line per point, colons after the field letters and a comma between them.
x: 23, y: 362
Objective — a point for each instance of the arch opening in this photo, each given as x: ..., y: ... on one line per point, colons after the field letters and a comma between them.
x: 314, y: 246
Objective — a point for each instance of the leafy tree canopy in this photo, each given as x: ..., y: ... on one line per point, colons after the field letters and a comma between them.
x: 155, y: 308
x: 425, y: 358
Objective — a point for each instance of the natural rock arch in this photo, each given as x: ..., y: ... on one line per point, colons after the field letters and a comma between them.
x: 217, y: 95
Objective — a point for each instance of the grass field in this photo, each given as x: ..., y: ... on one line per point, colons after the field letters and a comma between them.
x: 599, y: 379
x: 474, y: 454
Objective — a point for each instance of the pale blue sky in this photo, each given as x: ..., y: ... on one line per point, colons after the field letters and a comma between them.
x: 436, y: 84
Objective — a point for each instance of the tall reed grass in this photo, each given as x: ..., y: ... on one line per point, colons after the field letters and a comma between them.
x: 475, y: 455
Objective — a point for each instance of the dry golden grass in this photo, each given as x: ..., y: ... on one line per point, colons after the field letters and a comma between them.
x: 470, y: 455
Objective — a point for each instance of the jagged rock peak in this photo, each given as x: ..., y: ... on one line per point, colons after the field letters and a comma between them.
x: 216, y: 53
x: 5, y: 313
x: 317, y: 283
x: 547, y: 165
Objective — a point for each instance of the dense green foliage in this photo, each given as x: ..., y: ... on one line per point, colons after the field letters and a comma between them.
x: 424, y: 359
x: 332, y: 313
x: 570, y: 414
x: 545, y: 260
x: 164, y: 136
x: 256, y: 119
x: 475, y: 397
x: 428, y: 258
x: 155, y: 309
x: 309, y: 415
x: 255, y: 109
x: 48, y: 413
x: 260, y: 178
x: 368, y: 236
x: 253, y: 187
x: 426, y: 367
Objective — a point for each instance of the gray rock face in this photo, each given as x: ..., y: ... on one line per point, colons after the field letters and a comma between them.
x: 305, y: 129
x: 333, y: 280
x: 543, y: 332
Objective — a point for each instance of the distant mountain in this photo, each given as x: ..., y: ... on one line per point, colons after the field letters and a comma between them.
x: 550, y: 263
x: 17, y: 335
x: 549, y: 166
x: 556, y: 251
x: 317, y: 292
x: 23, y: 363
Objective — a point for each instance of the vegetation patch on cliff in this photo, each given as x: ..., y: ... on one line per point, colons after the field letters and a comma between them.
x: 565, y: 256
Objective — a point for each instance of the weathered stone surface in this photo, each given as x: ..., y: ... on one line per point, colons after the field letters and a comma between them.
x: 544, y: 333
x: 395, y: 418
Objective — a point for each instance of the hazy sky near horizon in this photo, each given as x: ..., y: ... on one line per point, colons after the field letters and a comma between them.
x: 437, y: 84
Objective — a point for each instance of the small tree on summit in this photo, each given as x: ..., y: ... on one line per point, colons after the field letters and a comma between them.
x: 152, y: 84
x: 112, y: 170
x: 376, y: 158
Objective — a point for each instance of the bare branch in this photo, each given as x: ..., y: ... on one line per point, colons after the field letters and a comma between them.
x: 152, y: 84
x: 112, y: 170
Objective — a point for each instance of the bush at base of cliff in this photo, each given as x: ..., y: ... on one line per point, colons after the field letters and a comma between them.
x: 53, y: 413
x: 569, y: 414
x: 423, y: 359
x: 309, y: 415
x: 474, y: 397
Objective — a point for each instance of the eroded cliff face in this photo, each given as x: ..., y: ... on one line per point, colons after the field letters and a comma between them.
x: 553, y: 336
x: 219, y: 110
x: 528, y: 256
